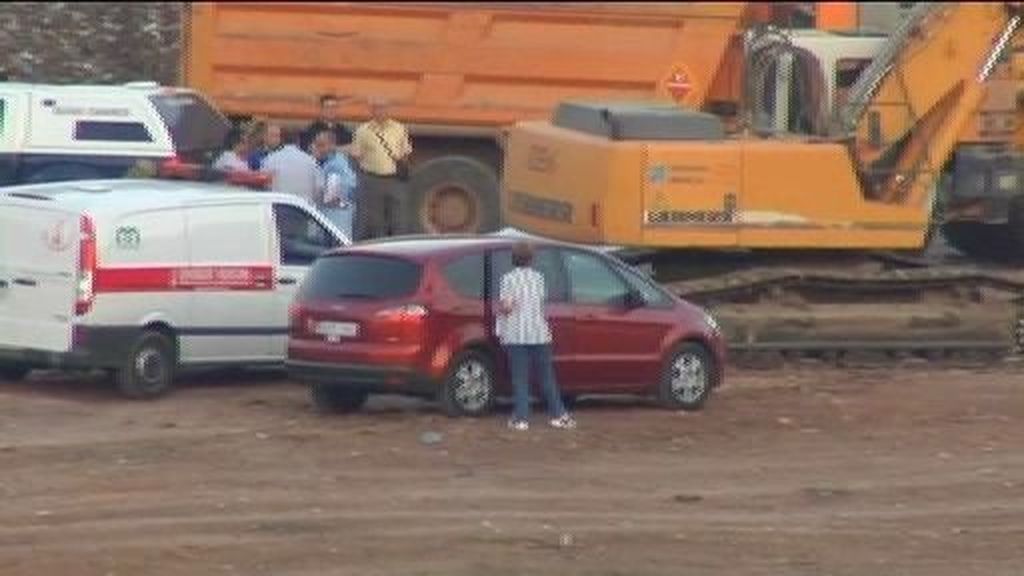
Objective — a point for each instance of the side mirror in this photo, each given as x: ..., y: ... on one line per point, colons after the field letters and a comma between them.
x: 632, y: 300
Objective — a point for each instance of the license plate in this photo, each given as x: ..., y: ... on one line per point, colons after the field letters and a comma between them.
x: 335, y: 331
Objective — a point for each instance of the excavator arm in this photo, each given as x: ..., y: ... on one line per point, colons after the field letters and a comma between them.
x: 911, y: 104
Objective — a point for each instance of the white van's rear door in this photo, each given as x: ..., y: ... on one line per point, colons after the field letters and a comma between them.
x: 38, y: 273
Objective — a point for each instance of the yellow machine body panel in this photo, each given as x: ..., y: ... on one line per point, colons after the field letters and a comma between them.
x: 806, y: 195
x: 554, y: 178
x: 697, y: 190
x: 726, y: 193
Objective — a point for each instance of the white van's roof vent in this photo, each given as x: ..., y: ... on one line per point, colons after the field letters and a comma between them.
x: 146, y: 84
x: 91, y: 187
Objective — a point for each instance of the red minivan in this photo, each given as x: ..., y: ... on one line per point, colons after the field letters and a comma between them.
x: 416, y: 316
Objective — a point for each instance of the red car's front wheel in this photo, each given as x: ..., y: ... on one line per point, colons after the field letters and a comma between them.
x: 687, y: 377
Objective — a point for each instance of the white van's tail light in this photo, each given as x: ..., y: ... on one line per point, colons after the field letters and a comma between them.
x: 86, y: 266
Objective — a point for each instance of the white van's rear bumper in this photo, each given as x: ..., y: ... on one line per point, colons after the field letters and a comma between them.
x: 93, y: 347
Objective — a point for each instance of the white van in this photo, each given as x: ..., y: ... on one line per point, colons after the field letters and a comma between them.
x: 141, y: 277
x: 52, y: 133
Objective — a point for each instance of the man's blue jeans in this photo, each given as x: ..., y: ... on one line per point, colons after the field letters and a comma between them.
x: 520, y: 358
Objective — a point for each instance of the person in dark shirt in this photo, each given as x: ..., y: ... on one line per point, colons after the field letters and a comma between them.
x: 328, y: 120
x: 264, y: 138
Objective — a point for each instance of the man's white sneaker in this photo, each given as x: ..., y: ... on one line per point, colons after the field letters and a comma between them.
x: 565, y: 422
x: 520, y: 425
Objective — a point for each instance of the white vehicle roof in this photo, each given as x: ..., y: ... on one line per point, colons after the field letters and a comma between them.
x: 113, y: 196
x: 85, y: 121
x: 139, y: 88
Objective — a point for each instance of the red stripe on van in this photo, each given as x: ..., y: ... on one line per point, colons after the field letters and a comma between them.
x: 184, y: 278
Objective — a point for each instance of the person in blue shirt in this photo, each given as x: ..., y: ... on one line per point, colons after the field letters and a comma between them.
x: 338, y: 199
x: 263, y: 140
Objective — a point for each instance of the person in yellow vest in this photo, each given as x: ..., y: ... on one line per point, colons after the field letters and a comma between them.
x: 382, y: 149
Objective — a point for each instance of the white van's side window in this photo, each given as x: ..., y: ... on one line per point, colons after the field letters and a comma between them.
x: 301, y: 238
x: 8, y: 163
x: 107, y: 131
x: 8, y: 123
x: 231, y: 234
x: 151, y: 237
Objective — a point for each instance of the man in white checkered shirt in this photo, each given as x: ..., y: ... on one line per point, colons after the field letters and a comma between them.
x: 524, y: 332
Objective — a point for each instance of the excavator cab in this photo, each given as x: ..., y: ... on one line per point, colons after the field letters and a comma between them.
x: 796, y: 80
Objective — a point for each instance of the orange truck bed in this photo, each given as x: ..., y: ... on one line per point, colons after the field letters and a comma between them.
x: 458, y: 64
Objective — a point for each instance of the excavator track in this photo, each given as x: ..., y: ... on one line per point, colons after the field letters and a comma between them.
x: 880, y: 310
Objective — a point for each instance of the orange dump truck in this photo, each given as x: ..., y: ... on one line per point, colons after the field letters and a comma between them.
x: 457, y: 74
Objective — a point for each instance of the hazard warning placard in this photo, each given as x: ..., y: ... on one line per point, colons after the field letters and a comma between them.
x: 679, y: 84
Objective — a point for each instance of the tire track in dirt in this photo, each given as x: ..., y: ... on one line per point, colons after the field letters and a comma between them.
x: 804, y: 472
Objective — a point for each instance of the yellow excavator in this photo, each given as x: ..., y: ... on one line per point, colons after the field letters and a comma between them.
x: 790, y: 237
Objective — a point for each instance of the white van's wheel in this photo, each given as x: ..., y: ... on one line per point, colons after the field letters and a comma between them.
x: 13, y: 372
x: 149, y: 369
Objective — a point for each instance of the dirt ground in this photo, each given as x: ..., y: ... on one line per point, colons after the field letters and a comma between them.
x: 802, y: 471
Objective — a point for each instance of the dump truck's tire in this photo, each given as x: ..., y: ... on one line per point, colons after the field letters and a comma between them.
x: 452, y: 194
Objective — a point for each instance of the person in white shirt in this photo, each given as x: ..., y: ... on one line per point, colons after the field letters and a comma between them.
x: 293, y: 171
x: 523, y: 331
x: 236, y: 150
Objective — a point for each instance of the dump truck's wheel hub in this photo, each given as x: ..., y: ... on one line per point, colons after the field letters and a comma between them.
x: 449, y: 208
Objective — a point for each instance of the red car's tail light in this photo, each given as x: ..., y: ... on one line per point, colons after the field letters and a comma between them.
x: 297, y: 319
x: 402, y: 323
x: 412, y: 313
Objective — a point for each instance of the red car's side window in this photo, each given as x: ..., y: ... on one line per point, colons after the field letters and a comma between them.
x: 547, y: 261
x: 592, y: 281
x: 465, y: 275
